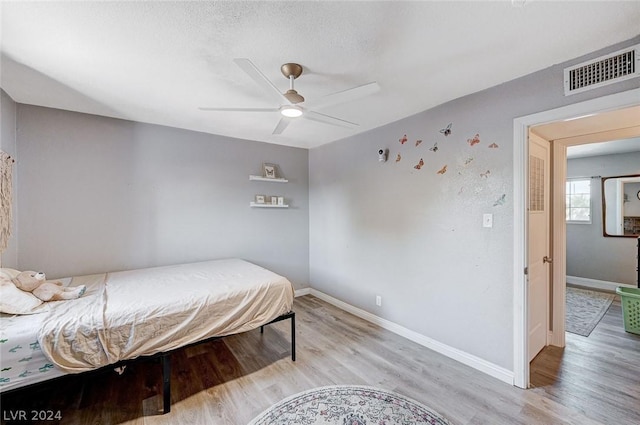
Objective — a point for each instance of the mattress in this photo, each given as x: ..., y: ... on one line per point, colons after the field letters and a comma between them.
x: 124, y: 315
x: 21, y: 358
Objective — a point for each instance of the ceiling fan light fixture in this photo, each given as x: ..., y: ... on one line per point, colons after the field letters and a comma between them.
x: 291, y: 111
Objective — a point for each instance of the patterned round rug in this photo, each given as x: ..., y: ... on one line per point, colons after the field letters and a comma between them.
x: 348, y: 405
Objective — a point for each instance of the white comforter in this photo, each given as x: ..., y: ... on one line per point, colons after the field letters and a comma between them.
x: 143, y: 312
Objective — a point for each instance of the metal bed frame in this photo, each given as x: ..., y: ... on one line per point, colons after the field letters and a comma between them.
x: 165, y: 358
x: 165, y: 361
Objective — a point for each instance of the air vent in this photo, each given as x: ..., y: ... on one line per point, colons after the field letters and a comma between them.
x: 602, y: 71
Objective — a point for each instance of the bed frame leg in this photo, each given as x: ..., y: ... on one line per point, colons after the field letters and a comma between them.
x: 292, y: 316
x: 166, y: 383
x: 293, y: 336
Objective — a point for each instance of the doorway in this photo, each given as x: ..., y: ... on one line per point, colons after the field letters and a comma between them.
x: 575, y: 135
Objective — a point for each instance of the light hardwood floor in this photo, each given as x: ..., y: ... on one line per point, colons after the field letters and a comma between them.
x: 230, y: 381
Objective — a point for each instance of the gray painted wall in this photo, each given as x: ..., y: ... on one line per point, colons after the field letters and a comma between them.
x: 415, y: 237
x: 589, y: 253
x: 100, y: 194
x: 9, y: 258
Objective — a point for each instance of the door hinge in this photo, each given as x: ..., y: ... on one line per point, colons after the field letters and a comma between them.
x: 526, y: 270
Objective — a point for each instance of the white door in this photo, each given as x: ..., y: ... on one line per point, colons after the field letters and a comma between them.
x: 538, y: 237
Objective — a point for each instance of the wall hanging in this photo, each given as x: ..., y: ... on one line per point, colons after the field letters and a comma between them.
x: 6, y: 198
x: 447, y: 130
x: 474, y: 141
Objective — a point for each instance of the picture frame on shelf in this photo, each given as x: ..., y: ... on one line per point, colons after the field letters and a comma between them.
x: 259, y: 199
x: 274, y: 200
x: 269, y: 171
x: 280, y: 200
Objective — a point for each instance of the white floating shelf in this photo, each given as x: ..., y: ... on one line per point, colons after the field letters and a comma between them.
x: 255, y: 205
x: 265, y: 179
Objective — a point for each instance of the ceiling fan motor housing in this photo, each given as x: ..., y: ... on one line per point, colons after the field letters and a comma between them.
x: 293, y: 96
x: 289, y: 69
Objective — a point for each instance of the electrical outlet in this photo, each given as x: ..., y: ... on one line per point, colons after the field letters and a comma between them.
x: 487, y: 220
x: 378, y: 300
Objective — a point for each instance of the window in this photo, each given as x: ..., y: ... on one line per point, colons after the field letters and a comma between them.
x: 578, y: 205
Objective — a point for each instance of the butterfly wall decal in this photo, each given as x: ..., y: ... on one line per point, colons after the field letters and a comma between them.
x: 418, y: 142
x: 485, y: 174
x: 398, y: 158
x: 468, y: 161
x: 500, y: 200
x: 434, y: 148
x: 442, y: 170
x: 447, y: 130
x: 419, y: 165
x: 493, y: 146
x: 474, y: 141
x: 403, y: 140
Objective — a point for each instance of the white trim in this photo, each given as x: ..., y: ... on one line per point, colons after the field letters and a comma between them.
x: 482, y: 365
x: 520, y: 152
x: 580, y: 179
x: 520, y: 308
x: 596, y: 284
x: 301, y: 292
x: 559, y: 244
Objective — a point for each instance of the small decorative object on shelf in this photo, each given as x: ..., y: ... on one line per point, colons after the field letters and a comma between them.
x: 270, y: 174
x: 269, y: 170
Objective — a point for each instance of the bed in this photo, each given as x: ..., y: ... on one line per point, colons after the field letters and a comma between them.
x: 141, y: 313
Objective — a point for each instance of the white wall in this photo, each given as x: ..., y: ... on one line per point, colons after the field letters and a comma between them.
x: 632, y: 207
x: 415, y: 237
x: 589, y: 254
x: 9, y: 258
x: 99, y: 194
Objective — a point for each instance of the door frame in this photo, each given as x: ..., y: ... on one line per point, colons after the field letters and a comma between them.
x: 520, y: 184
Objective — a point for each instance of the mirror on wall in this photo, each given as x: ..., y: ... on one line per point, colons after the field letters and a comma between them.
x: 621, y: 206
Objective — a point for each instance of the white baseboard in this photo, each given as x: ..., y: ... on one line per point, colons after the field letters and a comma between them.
x: 454, y: 353
x: 596, y: 284
x: 301, y: 292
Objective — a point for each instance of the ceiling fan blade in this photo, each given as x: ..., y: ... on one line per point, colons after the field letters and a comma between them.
x: 257, y: 76
x: 241, y: 109
x: 346, y: 95
x: 327, y: 119
x: 282, y: 124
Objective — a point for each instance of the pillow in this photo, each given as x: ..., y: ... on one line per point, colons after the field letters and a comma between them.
x: 8, y: 273
x: 15, y: 301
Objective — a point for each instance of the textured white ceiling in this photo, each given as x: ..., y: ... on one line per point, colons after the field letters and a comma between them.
x: 157, y: 62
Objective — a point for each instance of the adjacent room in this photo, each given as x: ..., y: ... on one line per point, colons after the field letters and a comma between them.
x: 256, y: 212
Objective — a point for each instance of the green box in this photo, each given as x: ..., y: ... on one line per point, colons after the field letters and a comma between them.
x: 630, y: 298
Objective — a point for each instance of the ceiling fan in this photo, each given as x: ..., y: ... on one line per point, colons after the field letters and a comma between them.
x: 290, y: 101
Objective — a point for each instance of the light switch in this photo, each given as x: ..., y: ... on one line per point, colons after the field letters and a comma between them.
x: 487, y: 220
